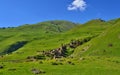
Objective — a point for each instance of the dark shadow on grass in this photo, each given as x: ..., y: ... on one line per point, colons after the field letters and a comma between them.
x: 14, y: 47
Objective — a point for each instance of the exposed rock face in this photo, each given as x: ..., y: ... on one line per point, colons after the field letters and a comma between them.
x: 61, y: 51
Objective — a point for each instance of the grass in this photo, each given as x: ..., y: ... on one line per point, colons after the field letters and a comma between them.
x: 99, y: 56
x: 89, y: 66
x: 107, y: 44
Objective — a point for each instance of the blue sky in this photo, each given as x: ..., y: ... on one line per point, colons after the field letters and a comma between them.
x: 19, y: 12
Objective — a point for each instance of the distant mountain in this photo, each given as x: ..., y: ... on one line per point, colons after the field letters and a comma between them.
x: 48, y: 26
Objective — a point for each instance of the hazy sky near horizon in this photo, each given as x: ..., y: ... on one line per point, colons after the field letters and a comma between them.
x: 19, y: 12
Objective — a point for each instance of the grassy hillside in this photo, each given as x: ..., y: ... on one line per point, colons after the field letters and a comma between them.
x: 38, y: 41
x: 96, y: 54
x: 10, y: 36
x: 106, y: 44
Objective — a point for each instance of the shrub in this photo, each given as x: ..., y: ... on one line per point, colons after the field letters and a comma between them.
x: 40, y: 57
x: 55, y: 63
x: 41, y: 62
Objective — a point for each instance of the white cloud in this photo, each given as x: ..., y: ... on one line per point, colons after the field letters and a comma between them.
x: 77, y: 5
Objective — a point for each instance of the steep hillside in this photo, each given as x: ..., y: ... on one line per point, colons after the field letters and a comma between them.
x: 39, y: 42
x: 11, y: 36
x: 106, y: 44
x: 61, y: 48
x: 95, y: 26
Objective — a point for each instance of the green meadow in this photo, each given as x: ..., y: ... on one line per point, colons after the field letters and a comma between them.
x: 98, y: 53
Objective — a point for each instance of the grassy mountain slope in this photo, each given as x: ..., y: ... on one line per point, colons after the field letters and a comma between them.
x: 48, y: 26
x: 106, y: 44
x: 10, y: 36
x: 40, y: 42
x: 98, y: 56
